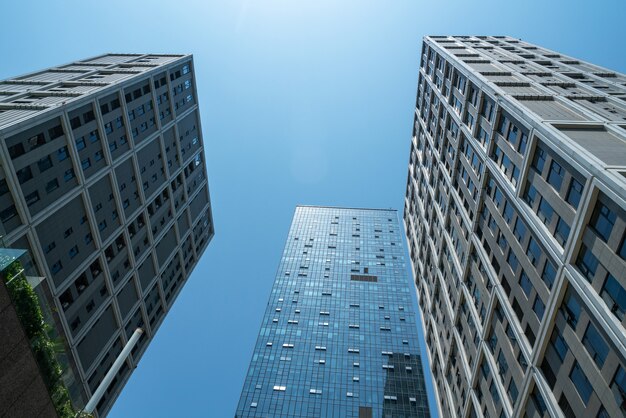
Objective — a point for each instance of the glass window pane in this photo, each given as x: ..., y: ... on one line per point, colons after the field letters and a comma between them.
x: 581, y: 383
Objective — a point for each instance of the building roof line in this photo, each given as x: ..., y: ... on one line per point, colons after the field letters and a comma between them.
x: 343, y: 207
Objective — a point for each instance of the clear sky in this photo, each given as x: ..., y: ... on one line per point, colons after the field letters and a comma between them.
x: 302, y: 101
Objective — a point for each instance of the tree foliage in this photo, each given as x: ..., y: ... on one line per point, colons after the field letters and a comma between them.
x: 37, y: 330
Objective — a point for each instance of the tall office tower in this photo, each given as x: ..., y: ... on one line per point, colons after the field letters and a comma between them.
x: 339, y: 335
x: 515, y: 214
x: 103, y: 180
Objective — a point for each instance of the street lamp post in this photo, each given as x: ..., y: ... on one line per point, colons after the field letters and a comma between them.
x: 121, y: 358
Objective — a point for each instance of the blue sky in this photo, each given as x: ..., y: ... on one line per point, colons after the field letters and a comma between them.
x: 302, y: 101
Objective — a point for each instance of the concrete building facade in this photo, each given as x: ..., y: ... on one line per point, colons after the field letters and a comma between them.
x: 103, y: 181
x: 339, y: 335
x: 515, y: 215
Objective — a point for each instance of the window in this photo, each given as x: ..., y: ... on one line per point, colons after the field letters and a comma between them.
x: 533, y: 252
x: 548, y: 371
x: 525, y: 284
x: 472, y: 94
x: 37, y: 141
x: 602, y: 221
x: 69, y: 174
x: 581, y: 383
x: 73, y: 251
x: 52, y: 185
x: 458, y: 106
x: 56, y: 267
x: 460, y: 83
x: 545, y: 211
x: 16, y: 150
x: 595, y: 345
x: 571, y: 309
x: 539, y: 160
x: 32, y: 198
x: 80, y: 143
x: 549, y: 274
x: 44, y: 164
x: 559, y: 345
x: 55, y: 132
x: 520, y: 230
x: 512, y: 260
x: 498, y: 197
x: 514, y: 175
x: 507, y: 213
x: 622, y: 248
x: 523, y: 143
x: 453, y: 128
x: 502, y: 125
x: 4, y: 187
x: 75, y: 122
x: 513, y: 391
x: 483, y: 136
x: 62, y: 153
x: 562, y: 232
x: 587, y: 263
x: 50, y: 247
x: 24, y: 174
x: 614, y: 296
x: 538, y: 402
x: 469, y: 120
x: 555, y: 175
x: 574, y: 193
x: 503, y: 366
x: 539, y: 307
x: 618, y: 387
x: 86, y: 163
x: 88, y: 116
x: 512, y: 135
x: 494, y: 393
x: 94, y: 136
x: 566, y: 407
x: 530, y: 195
x: 75, y: 323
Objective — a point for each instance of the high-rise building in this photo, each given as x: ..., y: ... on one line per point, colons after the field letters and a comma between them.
x: 103, y: 181
x: 515, y: 214
x: 339, y: 335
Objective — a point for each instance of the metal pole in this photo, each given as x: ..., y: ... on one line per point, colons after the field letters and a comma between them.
x: 117, y: 365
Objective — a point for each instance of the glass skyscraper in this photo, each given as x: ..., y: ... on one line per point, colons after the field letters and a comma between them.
x: 339, y: 335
